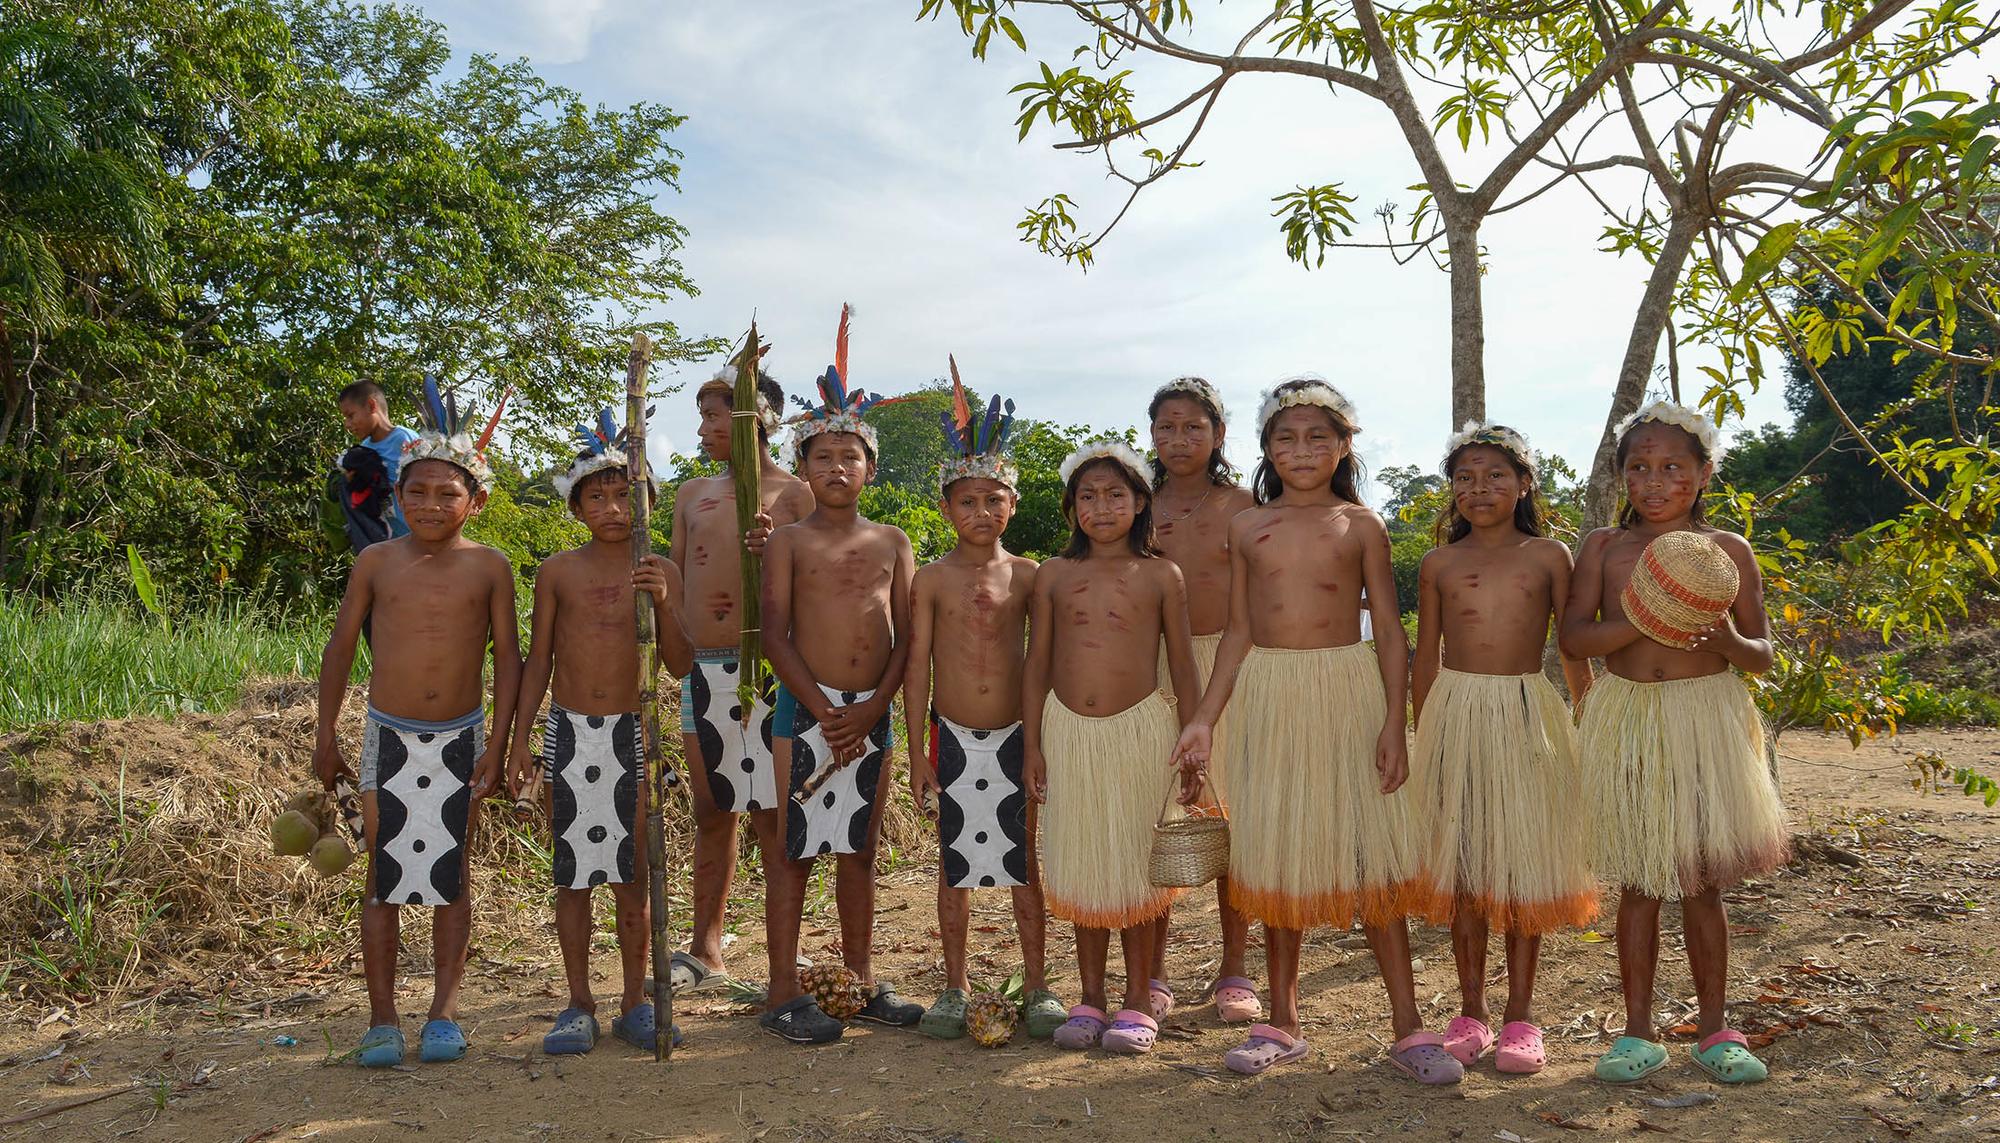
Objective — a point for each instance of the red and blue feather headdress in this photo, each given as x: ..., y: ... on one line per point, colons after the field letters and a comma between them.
x: 976, y: 444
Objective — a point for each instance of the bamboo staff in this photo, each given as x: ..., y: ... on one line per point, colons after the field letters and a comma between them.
x: 649, y: 692
x: 746, y: 465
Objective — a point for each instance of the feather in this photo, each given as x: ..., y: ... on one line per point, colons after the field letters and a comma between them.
x: 1006, y: 426
x: 606, y: 427
x: 992, y: 422
x: 433, y: 405
x: 492, y: 422
x: 451, y: 413
x: 840, y: 344
x: 961, y: 412
x: 588, y: 436
x: 950, y: 432
x: 827, y: 381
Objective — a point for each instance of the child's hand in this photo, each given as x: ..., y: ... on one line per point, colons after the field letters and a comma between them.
x: 651, y: 577
x: 1719, y: 638
x: 850, y: 726
x: 1035, y: 776
x: 486, y: 775
x: 1392, y: 758
x: 755, y: 538
x: 329, y: 765
x: 520, y: 771
x: 1191, y: 752
x: 924, y: 788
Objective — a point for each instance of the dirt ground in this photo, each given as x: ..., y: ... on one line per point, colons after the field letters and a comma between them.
x: 1867, y: 969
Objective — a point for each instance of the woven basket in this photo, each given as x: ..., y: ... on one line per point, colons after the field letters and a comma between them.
x: 1189, y: 851
x: 1683, y: 583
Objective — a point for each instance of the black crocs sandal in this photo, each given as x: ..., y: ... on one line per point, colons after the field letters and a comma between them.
x: 800, y: 1021
x: 885, y: 1007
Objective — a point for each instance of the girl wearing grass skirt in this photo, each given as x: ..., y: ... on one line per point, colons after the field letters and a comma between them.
x: 1677, y: 789
x: 1196, y: 496
x: 1100, y: 734
x: 1494, y: 777
x: 1319, y: 832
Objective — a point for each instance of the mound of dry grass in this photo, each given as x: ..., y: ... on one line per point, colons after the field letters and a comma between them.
x: 135, y: 860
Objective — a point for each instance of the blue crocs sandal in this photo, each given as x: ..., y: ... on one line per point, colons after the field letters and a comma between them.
x: 574, y: 1034
x: 640, y: 1028
x: 1630, y: 1060
x: 441, y: 1042
x: 1726, y: 1057
x: 381, y: 1047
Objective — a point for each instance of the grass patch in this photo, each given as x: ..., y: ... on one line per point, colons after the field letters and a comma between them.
x: 96, y: 655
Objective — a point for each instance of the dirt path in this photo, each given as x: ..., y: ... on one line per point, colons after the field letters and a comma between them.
x: 1870, y: 962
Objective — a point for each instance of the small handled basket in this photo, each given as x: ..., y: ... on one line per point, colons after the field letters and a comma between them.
x: 1192, y: 849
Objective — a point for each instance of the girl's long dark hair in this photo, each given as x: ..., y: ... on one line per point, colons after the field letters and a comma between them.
x: 1529, y: 516
x: 1628, y: 515
x: 1347, y: 475
x: 1139, y: 539
x: 1221, y: 473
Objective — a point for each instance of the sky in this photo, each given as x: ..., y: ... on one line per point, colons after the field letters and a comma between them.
x: 842, y: 151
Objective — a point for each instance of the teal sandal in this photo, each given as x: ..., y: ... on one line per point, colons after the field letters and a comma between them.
x: 441, y: 1042
x: 1630, y: 1060
x: 946, y: 1018
x: 1044, y: 1014
x: 1726, y: 1057
x: 381, y: 1047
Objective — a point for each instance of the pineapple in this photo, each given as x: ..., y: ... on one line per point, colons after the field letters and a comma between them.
x: 835, y: 988
x: 990, y: 1019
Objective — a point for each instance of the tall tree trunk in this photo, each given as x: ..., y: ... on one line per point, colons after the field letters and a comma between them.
x: 1648, y: 324
x: 1468, y: 326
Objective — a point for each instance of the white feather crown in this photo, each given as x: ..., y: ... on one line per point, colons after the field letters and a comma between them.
x: 1501, y: 437
x: 1305, y: 390
x: 1681, y: 417
x: 1197, y: 388
x: 1107, y: 448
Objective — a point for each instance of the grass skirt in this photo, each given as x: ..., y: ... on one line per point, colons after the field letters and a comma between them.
x: 1205, y: 647
x: 1312, y: 839
x: 1497, y: 795
x: 1107, y: 779
x: 1677, y: 787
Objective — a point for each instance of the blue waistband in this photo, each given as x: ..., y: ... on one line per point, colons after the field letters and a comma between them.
x: 416, y: 726
x: 715, y: 654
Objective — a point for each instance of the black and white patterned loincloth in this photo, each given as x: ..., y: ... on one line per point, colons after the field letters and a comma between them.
x: 596, y: 781
x: 736, y: 759
x: 982, y: 807
x: 422, y: 775
x: 836, y: 817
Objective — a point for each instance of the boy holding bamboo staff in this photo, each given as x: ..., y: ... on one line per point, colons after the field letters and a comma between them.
x: 584, y: 643
x: 730, y: 765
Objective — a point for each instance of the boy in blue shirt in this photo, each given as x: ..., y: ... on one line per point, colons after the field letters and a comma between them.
x: 365, y: 411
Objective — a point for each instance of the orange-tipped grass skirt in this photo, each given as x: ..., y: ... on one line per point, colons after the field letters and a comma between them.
x: 1312, y: 840
x: 1497, y: 797
x: 1205, y: 647
x: 1676, y: 786
x: 1107, y: 779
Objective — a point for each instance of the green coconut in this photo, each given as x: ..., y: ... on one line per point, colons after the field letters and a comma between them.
x: 311, y: 803
x: 293, y: 834
x: 330, y: 855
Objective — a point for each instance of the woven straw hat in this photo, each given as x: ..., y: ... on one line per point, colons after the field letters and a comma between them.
x: 1684, y: 582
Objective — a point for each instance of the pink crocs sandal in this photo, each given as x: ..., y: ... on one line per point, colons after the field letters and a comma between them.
x: 1521, y: 1051
x: 1083, y: 1029
x: 1266, y: 1048
x: 1421, y: 1056
x: 1131, y: 1033
x: 1236, y: 1000
x: 1162, y: 997
x: 1467, y: 1039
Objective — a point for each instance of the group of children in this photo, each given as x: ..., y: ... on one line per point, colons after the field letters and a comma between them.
x: 1195, y: 642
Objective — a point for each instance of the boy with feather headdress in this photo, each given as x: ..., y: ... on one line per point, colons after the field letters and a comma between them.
x: 836, y: 622
x: 583, y: 643
x: 437, y: 599
x: 962, y: 697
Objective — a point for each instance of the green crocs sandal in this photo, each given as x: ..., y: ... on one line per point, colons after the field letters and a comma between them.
x: 1044, y: 1013
x: 1726, y: 1057
x: 945, y: 1019
x: 1631, y: 1060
